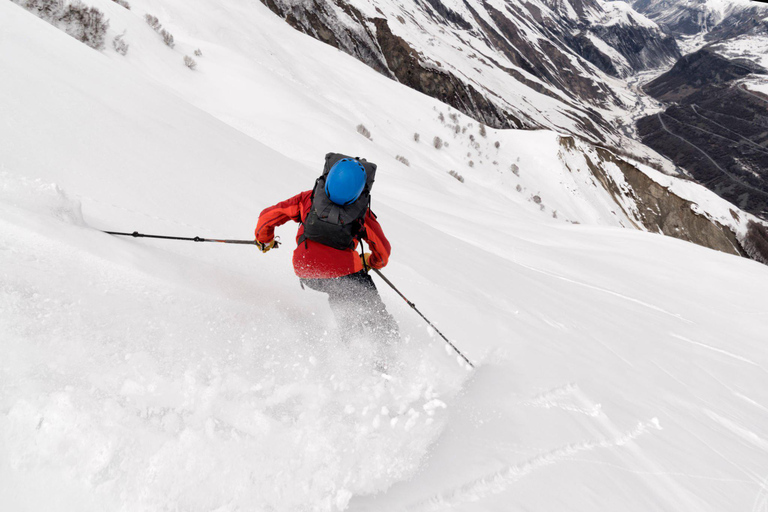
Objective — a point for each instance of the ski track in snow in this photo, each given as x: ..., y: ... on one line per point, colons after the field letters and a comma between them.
x: 715, y: 349
x: 761, y: 500
x: 604, y: 290
x: 499, y: 481
x: 661, y: 482
x: 560, y: 398
x: 740, y: 431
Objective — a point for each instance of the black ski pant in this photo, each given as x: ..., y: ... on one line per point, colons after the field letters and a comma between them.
x: 357, y: 307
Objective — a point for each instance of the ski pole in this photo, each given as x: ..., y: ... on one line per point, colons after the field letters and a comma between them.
x: 136, y: 234
x: 422, y: 316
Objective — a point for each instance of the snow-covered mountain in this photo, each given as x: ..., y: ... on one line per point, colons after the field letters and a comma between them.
x: 507, y: 64
x: 617, y: 368
x: 717, y: 20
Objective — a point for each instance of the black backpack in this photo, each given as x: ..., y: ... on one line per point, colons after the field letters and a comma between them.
x: 331, y: 224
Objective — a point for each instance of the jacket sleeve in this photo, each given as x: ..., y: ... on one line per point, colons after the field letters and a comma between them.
x: 279, y: 214
x: 378, y: 243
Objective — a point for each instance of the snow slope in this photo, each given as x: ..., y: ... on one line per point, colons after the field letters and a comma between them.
x: 616, y: 369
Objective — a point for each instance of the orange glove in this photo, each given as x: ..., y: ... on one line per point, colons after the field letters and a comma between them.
x: 267, y: 246
x: 366, y: 257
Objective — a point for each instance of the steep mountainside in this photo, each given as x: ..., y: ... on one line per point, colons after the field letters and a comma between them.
x: 615, y: 369
x: 507, y: 64
x: 717, y: 20
x: 703, y: 71
x: 716, y: 128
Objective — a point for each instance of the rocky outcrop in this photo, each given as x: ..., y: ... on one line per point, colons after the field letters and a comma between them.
x: 319, y: 19
x: 654, y: 207
x: 404, y: 63
x: 642, y: 47
x: 756, y: 242
x: 445, y: 13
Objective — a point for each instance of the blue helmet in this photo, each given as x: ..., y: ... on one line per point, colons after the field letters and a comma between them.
x: 345, y: 181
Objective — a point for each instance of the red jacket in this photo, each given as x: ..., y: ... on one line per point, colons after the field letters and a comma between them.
x: 313, y: 260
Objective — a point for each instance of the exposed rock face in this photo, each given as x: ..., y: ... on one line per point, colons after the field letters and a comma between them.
x: 319, y: 19
x: 654, y: 207
x: 716, y: 130
x: 641, y: 47
x: 756, y: 242
x: 621, y: 42
x: 492, y: 62
x: 751, y: 21
x: 403, y: 61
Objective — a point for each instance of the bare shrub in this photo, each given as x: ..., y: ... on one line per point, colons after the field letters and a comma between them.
x: 437, y: 142
x: 446, y: 144
x: 153, y: 22
x: 497, y: 144
x: 365, y: 132
x: 471, y: 138
x: 403, y: 160
x: 441, y: 117
x: 123, y: 3
x: 190, y: 62
x: 416, y: 137
x: 457, y: 129
x: 167, y: 38
x: 454, y: 117
x: 457, y: 176
x: 536, y: 199
x: 515, y: 169
x: 483, y: 133
x: 471, y: 163
x: 554, y: 214
x: 86, y: 24
x: 198, y: 53
x: 119, y: 44
x: 755, y: 243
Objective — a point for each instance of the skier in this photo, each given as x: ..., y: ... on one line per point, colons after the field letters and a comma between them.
x: 335, y: 216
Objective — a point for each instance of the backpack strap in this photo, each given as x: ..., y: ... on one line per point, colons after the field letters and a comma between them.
x: 303, y: 238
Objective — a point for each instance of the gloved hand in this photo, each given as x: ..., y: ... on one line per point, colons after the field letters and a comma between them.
x: 267, y: 246
x: 366, y: 260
